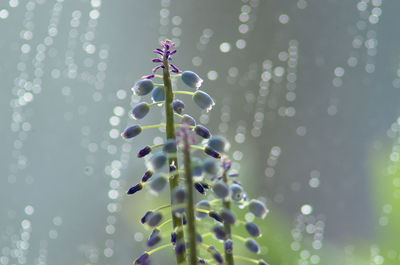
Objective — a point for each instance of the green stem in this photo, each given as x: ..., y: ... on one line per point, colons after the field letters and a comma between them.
x: 170, y: 133
x: 184, y: 92
x: 159, y: 248
x: 247, y: 259
x: 191, y: 219
x: 227, y: 205
x: 156, y: 103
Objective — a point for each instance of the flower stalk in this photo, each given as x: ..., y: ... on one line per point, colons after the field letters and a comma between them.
x: 227, y: 205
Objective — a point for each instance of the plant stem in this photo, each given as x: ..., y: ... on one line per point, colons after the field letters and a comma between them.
x: 190, y: 200
x: 173, y: 160
x: 227, y: 205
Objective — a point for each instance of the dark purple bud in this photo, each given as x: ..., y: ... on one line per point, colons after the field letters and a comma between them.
x: 143, y: 87
x: 215, y: 254
x: 188, y: 120
x: 148, y: 76
x: 253, y: 229
x: 135, y: 189
x: 154, y: 219
x: 228, y: 216
x: 140, y: 110
x: 170, y: 146
x: 219, y: 232
x: 174, y: 236
x: 191, y: 79
x: 202, y: 131
x: 203, y: 100
x: 147, y: 175
x: 252, y: 245
x: 205, y: 185
x: 184, y: 220
x: 228, y: 246
x: 217, y: 143
x: 153, y: 240
x: 143, y: 259
x: 157, y: 60
x: 180, y: 247
x: 175, y: 69
x: 233, y: 175
x: 156, y: 68
x: 211, y: 152
x: 131, y: 131
x: 144, y: 152
x: 145, y: 217
x: 154, y: 233
x: 215, y: 216
x: 202, y: 261
x: 178, y: 106
x: 199, y: 187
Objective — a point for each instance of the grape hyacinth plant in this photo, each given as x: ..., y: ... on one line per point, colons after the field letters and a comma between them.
x: 203, y: 190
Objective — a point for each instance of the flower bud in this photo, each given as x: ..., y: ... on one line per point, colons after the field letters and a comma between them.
x: 205, y: 205
x: 180, y: 247
x: 228, y: 216
x: 158, y: 160
x: 258, y: 208
x: 191, y: 79
x: 199, y: 238
x: 228, y: 246
x: 178, y: 106
x: 202, y: 131
x: 154, y: 219
x: 211, y: 152
x: 158, y: 183
x: 210, y: 166
x: 202, y: 261
x: 252, y: 229
x: 170, y: 146
x: 131, y: 131
x: 140, y: 110
x: 135, y: 189
x: 144, y: 152
x: 199, y: 187
x: 179, y: 197
x: 217, y: 143
x: 197, y: 167
x: 215, y: 216
x: 143, y: 87
x: 203, y: 100
x: 215, y: 254
x: 219, y: 232
x: 174, y: 236
x: 237, y: 192
x: 158, y: 94
x: 154, y: 238
x: 220, y: 189
x: 189, y: 120
x: 147, y: 175
x: 252, y: 245
x: 145, y: 217
x: 143, y: 259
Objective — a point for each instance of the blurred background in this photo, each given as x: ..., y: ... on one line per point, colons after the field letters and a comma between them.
x: 306, y: 91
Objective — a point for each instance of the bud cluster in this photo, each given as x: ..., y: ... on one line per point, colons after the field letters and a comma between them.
x: 204, y: 192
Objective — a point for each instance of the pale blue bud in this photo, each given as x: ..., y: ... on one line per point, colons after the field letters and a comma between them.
x: 143, y: 87
x: 158, y: 94
x: 203, y: 100
x: 191, y: 79
x: 258, y: 208
x: 140, y: 110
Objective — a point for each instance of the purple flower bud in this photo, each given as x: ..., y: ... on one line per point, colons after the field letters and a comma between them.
x: 252, y: 245
x: 154, y: 233
x: 199, y: 238
x: 262, y: 262
x: 180, y: 247
x: 147, y: 175
x: 197, y: 167
x: 158, y: 160
x: 135, y: 189
x: 184, y: 220
x: 199, y: 187
x: 175, y: 69
x: 178, y: 106
x: 179, y: 197
x: 157, y: 60
x: 202, y: 261
x: 215, y: 216
x: 131, y: 131
x: 140, y: 110
x: 154, y: 219
x: 221, y: 189
x: 202, y: 131
x: 188, y: 120
x: 148, y: 76
x: 174, y: 236
x: 253, y: 229
x: 144, y: 152
x: 143, y: 259
x: 210, y: 166
x: 217, y: 143
x: 205, y: 205
x: 143, y: 87
x: 258, y: 208
x: 205, y: 185
x: 215, y: 254
x: 203, y: 100
x: 170, y: 146
x: 158, y: 183
x: 219, y: 232
x: 228, y: 216
x: 228, y: 246
x: 191, y: 79
x: 158, y: 94
x: 211, y: 152
x: 145, y: 217
x: 153, y: 241
x: 237, y: 192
